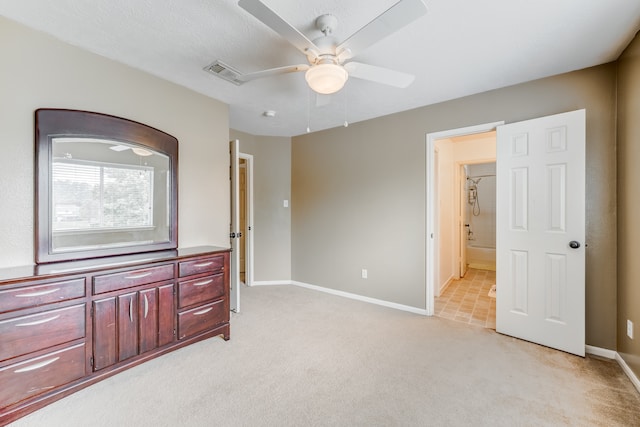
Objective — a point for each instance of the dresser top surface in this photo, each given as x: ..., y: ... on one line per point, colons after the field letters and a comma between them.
x: 43, y: 271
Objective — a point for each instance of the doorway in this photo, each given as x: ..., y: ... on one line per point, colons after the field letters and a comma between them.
x: 445, y: 270
x: 241, y: 224
x: 245, y: 214
x: 464, y: 230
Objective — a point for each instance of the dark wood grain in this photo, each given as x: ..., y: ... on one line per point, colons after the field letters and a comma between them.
x: 166, y: 314
x: 94, y: 336
x: 148, y: 319
x: 32, y: 377
x: 30, y: 296
x: 199, y: 319
x: 200, y: 290
x: 200, y: 266
x: 26, y: 334
x: 127, y: 326
x: 130, y: 278
x: 104, y: 333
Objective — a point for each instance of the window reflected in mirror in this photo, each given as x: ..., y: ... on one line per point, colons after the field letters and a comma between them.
x: 101, y: 189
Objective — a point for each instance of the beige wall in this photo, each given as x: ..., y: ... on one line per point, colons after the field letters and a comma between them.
x: 38, y: 71
x: 359, y: 192
x: 272, y: 221
x: 629, y: 203
x: 446, y: 254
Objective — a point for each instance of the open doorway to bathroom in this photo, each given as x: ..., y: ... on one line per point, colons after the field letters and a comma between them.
x: 470, y: 297
x: 478, y: 207
x: 465, y: 226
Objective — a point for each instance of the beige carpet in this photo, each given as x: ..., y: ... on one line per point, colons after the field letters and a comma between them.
x: 303, y: 358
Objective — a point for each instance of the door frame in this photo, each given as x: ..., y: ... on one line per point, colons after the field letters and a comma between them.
x: 460, y: 186
x: 431, y: 226
x: 248, y: 248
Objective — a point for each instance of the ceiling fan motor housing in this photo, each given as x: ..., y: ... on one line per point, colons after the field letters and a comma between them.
x: 326, y: 23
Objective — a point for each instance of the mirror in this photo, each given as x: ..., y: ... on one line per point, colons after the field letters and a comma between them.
x: 104, y: 186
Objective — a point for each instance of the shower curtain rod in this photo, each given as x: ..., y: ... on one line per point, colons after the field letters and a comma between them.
x: 479, y: 176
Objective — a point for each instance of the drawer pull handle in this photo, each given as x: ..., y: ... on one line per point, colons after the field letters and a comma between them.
x: 203, y: 264
x: 36, y: 366
x: 37, y: 294
x: 39, y: 322
x: 138, y: 276
x: 146, y: 306
x: 206, y: 282
x: 206, y: 310
x: 131, y: 310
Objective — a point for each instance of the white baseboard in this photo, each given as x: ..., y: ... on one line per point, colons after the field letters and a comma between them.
x: 446, y: 284
x: 614, y: 355
x: 362, y: 298
x: 600, y: 352
x: 271, y: 282
x: 341, y: 294
x: 627, y: 370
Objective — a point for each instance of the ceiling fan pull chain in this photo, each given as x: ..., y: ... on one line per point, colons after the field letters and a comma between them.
x: 308, y: 112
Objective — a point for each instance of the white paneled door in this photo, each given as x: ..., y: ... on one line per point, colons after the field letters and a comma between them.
x: 541, y: 231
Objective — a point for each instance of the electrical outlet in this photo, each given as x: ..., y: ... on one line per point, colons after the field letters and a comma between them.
x: 364, y: 273
x: 629, y: 328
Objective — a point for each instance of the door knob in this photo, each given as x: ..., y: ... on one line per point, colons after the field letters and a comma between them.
x: 574, y: 245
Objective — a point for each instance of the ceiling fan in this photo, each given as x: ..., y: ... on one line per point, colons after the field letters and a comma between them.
x: 329, y: 66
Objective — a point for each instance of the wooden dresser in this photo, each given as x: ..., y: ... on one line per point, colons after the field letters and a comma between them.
x: 65, y: 326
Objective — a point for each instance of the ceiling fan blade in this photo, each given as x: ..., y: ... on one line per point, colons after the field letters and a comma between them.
x: 274, y: 21
x: 379, y: 74
x: 396, y: 17
x: 273, y: 72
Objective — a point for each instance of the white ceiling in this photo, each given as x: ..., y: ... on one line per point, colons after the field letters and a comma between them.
x: 460, y: 47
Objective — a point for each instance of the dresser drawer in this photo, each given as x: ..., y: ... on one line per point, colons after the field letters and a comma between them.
x: 39, y: 375
x: 212, y: 264
x: 31, y: 296
x: 127, y: 279
x: 197, y: 291
x: 24, y: 334
x: 194, y: 321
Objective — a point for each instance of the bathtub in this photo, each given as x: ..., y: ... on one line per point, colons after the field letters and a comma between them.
x: 481, y: 257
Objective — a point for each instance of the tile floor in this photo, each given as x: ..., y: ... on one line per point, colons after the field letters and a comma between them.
x: 467, y: 300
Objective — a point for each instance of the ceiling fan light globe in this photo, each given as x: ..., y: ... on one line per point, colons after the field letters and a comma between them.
x: 141, y: 152
x: 326, y: 78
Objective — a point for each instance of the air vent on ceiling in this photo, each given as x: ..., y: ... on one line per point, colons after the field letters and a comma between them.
x: 222, y: 70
